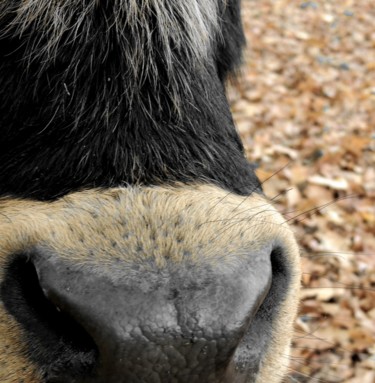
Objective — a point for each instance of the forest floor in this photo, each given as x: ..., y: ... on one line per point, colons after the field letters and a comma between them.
x: 304, y: 105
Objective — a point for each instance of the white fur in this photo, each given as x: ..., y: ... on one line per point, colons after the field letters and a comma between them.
x: 185, y: 31
x: 182, y: 25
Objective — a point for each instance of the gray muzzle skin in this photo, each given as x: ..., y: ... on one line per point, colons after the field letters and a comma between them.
x: 187, y: 322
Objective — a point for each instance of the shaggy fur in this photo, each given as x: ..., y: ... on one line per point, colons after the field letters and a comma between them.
x: 178, y: 34
x: 118, y: 92
x: 202, y: 224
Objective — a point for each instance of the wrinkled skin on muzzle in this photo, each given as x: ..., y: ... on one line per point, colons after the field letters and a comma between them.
x: 178, y: 284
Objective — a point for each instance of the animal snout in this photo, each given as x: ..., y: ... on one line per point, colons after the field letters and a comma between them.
x: 143, y: 324
x: 195, y: 298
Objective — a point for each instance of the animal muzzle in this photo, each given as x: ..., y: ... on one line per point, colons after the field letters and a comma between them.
x: 149, y: 285
x: 172, y: 324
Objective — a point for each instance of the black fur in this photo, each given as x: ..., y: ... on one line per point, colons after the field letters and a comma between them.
x: 229, y: 48
x: 69, y: 124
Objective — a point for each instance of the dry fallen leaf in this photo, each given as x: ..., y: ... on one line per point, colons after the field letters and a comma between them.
x: 305, y: 110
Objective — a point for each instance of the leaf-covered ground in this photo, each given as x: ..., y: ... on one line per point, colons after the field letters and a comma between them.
x: 305, y: 108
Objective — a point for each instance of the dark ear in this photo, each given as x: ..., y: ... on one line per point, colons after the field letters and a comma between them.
x: 230, y: 44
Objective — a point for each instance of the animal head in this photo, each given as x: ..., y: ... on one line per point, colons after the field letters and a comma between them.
x: 135, y: 242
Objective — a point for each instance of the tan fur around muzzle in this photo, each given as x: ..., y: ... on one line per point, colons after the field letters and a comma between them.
x: 162, y: 223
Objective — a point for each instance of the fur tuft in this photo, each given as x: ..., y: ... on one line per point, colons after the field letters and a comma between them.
x: 145, y: 35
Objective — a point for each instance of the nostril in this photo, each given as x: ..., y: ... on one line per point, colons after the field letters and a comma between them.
x: 56, y: 343
x: 281, y: 274
x: 278, y: 289
x: 258, y: 338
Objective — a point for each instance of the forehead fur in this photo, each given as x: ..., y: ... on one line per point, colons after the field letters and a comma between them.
x: 178, y: 32
x: 183, y: 25
x: 125, y: 91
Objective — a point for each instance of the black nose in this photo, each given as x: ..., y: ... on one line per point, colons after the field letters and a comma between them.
x: 145, y: 323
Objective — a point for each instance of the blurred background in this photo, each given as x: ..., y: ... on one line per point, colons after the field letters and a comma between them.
x: 304, y: 104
